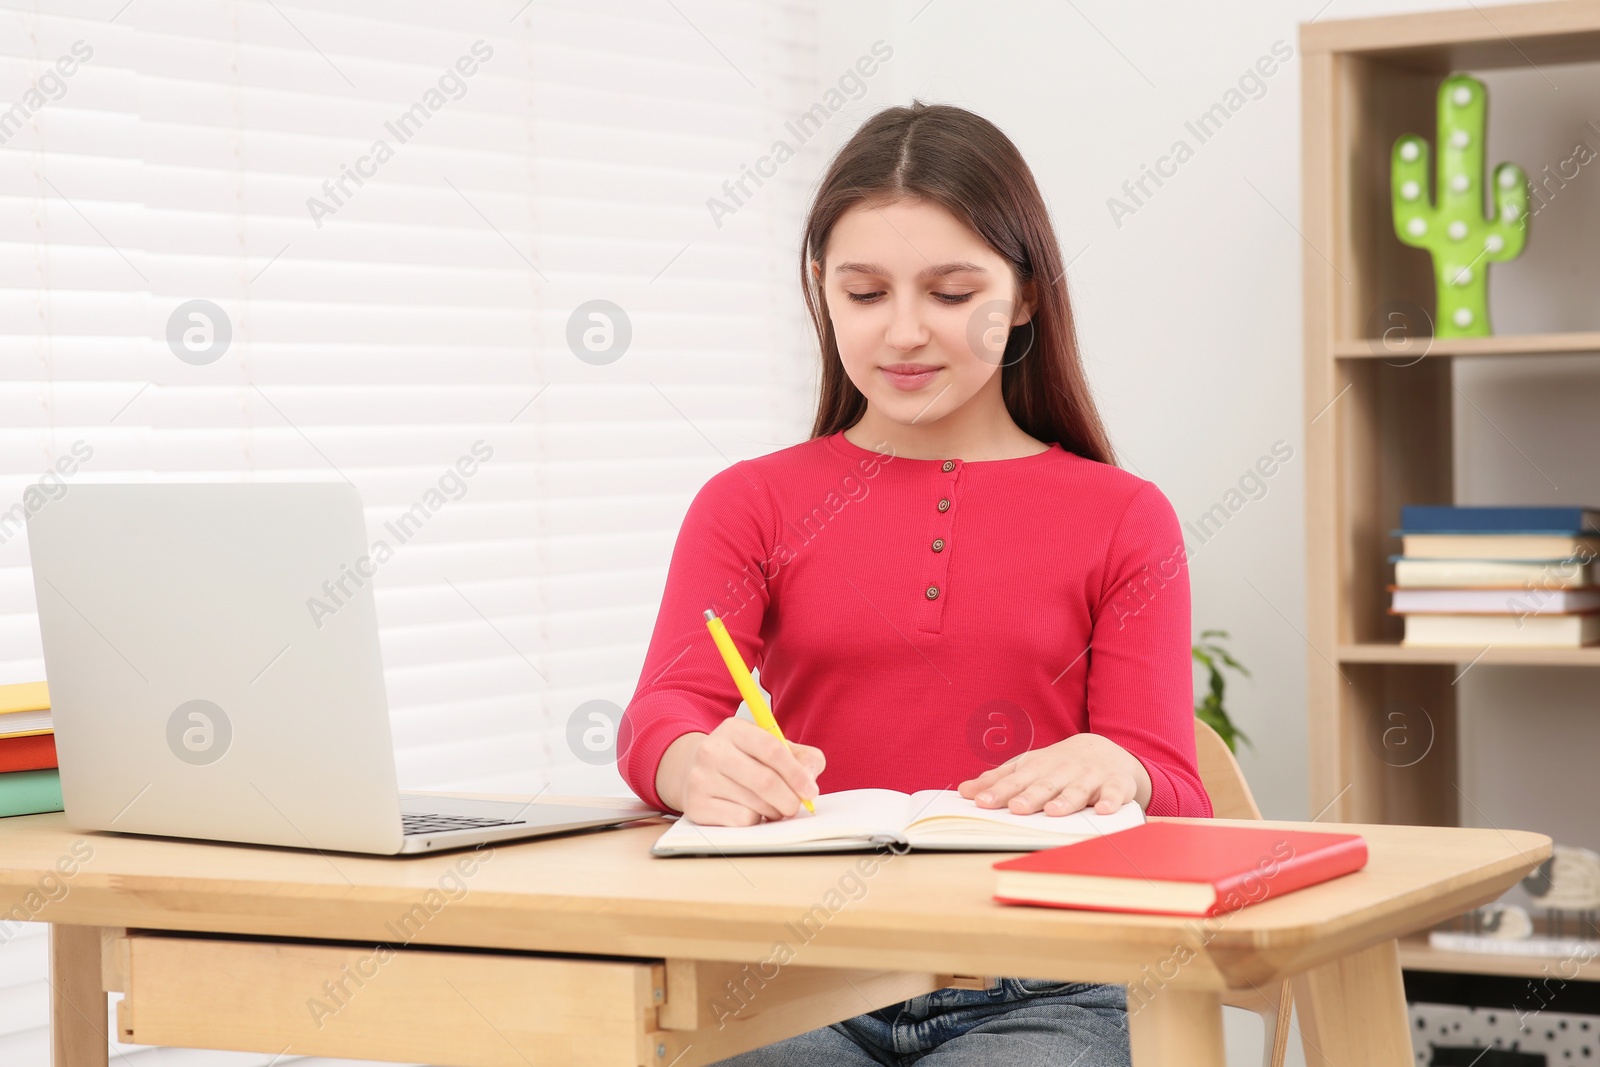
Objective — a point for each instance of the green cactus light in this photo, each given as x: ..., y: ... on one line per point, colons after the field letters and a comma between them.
x: 1451, y: 224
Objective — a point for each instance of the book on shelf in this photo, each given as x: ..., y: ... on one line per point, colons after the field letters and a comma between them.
x: 1520, y: 546
x: 863, y: 818
x: 1523, y: 631
x: 1464, y: 519
x: 1541, y: 574
x: 1504, y: 600
x: 1166, y: 868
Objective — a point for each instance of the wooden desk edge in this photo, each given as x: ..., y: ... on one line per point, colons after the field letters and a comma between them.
x: 1241, y: 956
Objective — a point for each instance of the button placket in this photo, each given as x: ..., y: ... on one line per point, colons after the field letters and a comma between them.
x: 943, y: 498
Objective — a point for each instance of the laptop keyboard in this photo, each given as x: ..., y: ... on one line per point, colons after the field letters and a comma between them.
x: 434, y: 824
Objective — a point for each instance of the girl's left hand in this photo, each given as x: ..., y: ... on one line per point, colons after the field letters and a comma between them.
x: 1082, y: 771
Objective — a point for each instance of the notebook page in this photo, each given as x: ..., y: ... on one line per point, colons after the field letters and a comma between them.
x: 850, y: 815
x: 950, y: 809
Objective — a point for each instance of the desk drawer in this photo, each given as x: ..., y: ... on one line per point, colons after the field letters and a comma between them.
x: 416, y: 1005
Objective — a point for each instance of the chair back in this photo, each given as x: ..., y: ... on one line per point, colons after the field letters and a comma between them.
x: 1220, y: 774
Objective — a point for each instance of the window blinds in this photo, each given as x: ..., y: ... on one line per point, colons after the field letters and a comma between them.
x: 385, y: 241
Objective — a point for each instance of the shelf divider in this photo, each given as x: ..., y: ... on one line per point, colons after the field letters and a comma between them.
x: 1500, y: 655
x: 1531, y: 344
x: 1417, y: 955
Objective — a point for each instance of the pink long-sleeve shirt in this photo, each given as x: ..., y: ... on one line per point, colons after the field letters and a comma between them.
x: 923, y: 620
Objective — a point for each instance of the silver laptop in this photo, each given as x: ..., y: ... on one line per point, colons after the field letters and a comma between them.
x: 214, y: 670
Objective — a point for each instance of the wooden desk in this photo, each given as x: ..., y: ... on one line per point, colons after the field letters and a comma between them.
x: 584, y: 950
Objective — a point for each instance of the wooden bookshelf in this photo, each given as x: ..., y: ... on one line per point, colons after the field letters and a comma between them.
x: 1539, y: 344
x: 1496, y: 655
x: 1417, y: 955
x: 1379, y: 428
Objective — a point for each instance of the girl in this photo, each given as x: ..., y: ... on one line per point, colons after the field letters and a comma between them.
x: 950, y: 571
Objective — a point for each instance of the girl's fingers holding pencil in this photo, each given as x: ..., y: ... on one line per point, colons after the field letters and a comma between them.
x: 811, y: 758
x: 713, y: 784
x: 763, y: 786
x: 796, y: 765
x: 740, y: 767
x: 758, y: 804
x: 785, y: 783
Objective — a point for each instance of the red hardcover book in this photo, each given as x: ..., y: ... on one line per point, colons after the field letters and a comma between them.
x: 1165, y: 868
x: 32, y: 752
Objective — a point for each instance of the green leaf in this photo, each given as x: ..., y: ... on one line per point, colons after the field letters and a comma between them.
x: 1235, y: 664
x: 1211, y: 709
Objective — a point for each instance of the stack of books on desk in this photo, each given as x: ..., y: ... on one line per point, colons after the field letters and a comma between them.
x: 29, y: 780
x: 1527, y: 576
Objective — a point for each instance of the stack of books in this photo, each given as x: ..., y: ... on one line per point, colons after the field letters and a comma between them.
x: 29, y: 780
x: 1474, y: 576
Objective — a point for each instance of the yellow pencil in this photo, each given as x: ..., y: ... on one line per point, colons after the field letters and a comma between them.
x: 746, y: 684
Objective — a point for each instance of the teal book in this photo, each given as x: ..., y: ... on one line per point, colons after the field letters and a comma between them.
x: 30, y: 792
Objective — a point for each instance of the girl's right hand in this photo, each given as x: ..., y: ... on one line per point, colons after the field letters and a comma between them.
x: 737, y: 775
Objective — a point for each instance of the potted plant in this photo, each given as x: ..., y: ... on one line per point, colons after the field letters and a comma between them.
x: 1210, y: 710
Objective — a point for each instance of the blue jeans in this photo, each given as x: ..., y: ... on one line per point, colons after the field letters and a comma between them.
x: 1020, y: 1022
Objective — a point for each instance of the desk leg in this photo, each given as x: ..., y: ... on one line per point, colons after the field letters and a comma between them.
x: 77, y: 999
x: 1177, y: 1026
x: 1353, y: 1011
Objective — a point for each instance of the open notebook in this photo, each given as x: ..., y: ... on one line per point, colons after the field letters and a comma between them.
x: 863, y: 818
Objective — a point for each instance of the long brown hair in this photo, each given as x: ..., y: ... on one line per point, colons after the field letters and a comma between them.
x: 951, y: 157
